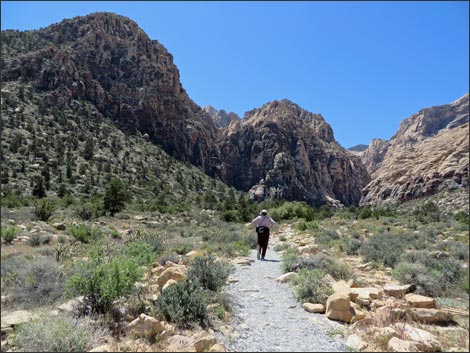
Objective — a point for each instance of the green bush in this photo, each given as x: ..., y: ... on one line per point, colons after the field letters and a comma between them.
x: 44, y: 209
x: 382, y: 249
x: 328, y: 239
x: 431, y: 276
x: 183, y: 303
x: 312, y: 287
x: 57, y: 334
x: 84, y: 233
x: 9, y: 233
x: 103, y: 279
x: 211, y: 275
x: 462, y: 217
x: 352, y: 245
x: 337, y: 269
x: 141, y: 252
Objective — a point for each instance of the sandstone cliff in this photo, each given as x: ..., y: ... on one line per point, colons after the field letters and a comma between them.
x: 281, y: 151
x: 428, y: 153
x: 109, y: 61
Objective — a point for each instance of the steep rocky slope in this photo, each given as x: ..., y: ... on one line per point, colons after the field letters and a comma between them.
x: 109, y: 61
x: 220, y: 117
x: 428, y: 153
x: 281, y: 151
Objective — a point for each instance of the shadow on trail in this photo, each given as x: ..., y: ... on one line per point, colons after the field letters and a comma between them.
x: 266, y: 260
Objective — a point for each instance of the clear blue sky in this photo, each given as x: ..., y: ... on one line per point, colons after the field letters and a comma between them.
x: 364, y: 66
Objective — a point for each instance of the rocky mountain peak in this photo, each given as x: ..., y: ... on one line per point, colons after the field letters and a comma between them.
x: 286, y: 113
x: 220, y: 117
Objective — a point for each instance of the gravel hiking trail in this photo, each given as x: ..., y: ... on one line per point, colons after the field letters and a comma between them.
x: 267, y: 317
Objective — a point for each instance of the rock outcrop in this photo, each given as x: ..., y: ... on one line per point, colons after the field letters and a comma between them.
x: 429, y: 153
x: 220, y: 117
x: 281, y: 151
x: 109, y: 61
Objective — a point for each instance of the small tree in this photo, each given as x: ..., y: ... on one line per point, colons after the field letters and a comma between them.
x: 115, y: 196
x: 38, y: 188
x: 89, y: 149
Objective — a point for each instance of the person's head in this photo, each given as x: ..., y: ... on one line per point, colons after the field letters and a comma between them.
x: 264, y: 212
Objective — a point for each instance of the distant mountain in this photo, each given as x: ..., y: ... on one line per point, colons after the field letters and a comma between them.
x: 282, y: 151
x: 107, y: 60
x: 103, y: 66
x: 428, y: 153
x: 358, y: 148
x: 220, y: 117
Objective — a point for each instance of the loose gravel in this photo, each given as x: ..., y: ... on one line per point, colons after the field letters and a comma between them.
x: 267, y: 317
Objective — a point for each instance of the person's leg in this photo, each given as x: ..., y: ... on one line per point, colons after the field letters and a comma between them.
x: 265, y: 244
x: 259, y: 246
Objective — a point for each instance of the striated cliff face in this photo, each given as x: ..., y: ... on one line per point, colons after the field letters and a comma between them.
x: 429, y: 152
x: 109, y: 61
x: 220, y: 117
x: 282, y: 151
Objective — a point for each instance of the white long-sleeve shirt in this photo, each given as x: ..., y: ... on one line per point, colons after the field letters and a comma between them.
x: 265, y: 221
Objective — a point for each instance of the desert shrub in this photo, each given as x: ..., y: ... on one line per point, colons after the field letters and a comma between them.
x: 57, y: 334
x: 427, y: 212
x: 431, y: 276
x: 365, y: 213
x: 103, y: 279
x: 230, y: 241
x: 9, y: 233
x: 325, y: 211
x: 462, y: 217
x: 182, y: 248
x: 182, y: 303
x: 352, y: 245
x: 337, y: 269
x: 43, y: 209
x: 312, y: 225
x: 140, y: 251
x: 328, y: 239
x: 382, y: 249
x: 211, y: 275
x: 85, y: 233
x: 312, y: 287
x: 456, y: 249
x: 168, y: 256
x: 156, y: 241
x: 291, y: 210
x: 290, y: 260
x: 281, y: 247
x: 37, y: 282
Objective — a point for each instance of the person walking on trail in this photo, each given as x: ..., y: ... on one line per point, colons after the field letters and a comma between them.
x: 263, y: 223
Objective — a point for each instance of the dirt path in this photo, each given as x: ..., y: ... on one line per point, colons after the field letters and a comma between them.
x: 267, y: 316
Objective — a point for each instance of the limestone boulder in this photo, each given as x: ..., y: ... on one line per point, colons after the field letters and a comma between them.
x: 424, y: 340
x: 338, y: 307
x: 431, y: 316
x: 398, y: 345
x: 15, y: 318
x: 314, y: 308
x: 355, y: 342
x: 204, y: 343
x: 396, y: 290
x: 174, y: 273
x: 218, y: 347
x: 146, y: 326
x: 287, y: 277
x: 420, y: 301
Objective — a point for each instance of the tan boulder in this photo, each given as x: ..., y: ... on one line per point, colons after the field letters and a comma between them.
x: 396, y: 290
x: 424, y: 340
x: 287, y: 277
x: 218, y: 347
x: 145, y: 326
x: 431, y: 316
x: 341, y: 286
x: 103, y: 348
x: 314, y: 308
x: 169, y: 283
x: 420, y: 301
x: 365, y: 293
x: 355, y: 342
x: 338, y: 307
x: 398, y: 345
x: 174, y: 273
x: 15, y: 318
x: 204, y: 343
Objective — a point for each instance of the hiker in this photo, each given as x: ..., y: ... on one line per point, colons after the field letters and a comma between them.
x: 262, y: 223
